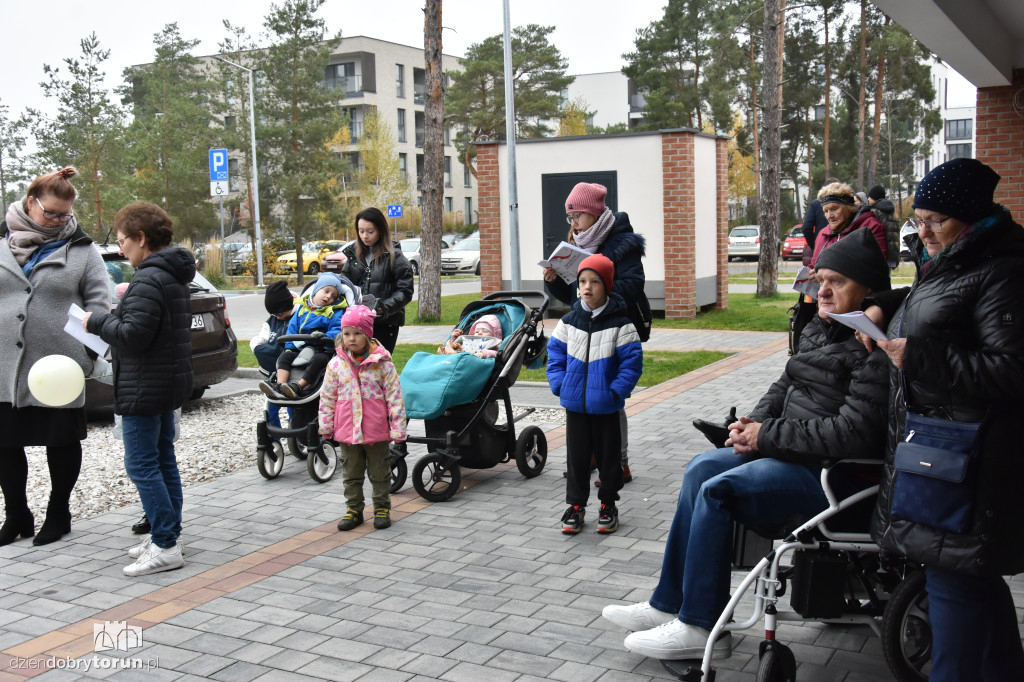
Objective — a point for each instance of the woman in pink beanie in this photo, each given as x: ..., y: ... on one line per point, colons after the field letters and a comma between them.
x: 597, y: 229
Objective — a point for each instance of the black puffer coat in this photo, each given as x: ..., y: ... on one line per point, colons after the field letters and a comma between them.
x: 829, y: 403
x: 151, y: 335
x: 391, y: 286
x: 964, y: 360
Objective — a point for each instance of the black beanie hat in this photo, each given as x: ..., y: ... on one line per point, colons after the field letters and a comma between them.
x: 877, y: 192
x: 857, y: 256
x: 961, y: 189
x: 278, y: 299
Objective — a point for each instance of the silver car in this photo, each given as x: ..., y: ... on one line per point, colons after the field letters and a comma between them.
x: 745, y: 242
x: 411, y: 250
x: 463, y: 258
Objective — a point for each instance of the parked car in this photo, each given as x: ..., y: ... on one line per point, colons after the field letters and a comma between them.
x: 908, y: 228
x: 464, y: 257
x: 794, y: 245
x: 335, y: 261
x: 411, y: 250
x: 745, y: 242
x: 214, y: 346
x: 452, y: 239
x: 313, y: 254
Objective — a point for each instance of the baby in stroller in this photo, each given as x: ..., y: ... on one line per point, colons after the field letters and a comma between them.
x: 486, y: 338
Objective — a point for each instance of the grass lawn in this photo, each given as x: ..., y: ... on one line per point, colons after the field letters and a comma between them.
x: 904, y: 275
x: 746, y: 312
x: 659, y: 366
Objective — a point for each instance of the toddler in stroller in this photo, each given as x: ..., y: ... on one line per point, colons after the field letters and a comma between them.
x: 483, y: 340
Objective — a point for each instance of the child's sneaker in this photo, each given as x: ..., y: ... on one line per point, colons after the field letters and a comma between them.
x: 351, y: 519
x: 270, y: 391
x: 608, y: 520
x: 572, y: 520
x: 381, y: 517
x: 291, y: 390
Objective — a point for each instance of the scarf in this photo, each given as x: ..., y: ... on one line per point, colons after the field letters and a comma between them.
x: 592, y: 239
x: 26, y: 236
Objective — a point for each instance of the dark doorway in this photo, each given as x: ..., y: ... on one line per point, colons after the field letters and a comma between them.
x: 555, y: 187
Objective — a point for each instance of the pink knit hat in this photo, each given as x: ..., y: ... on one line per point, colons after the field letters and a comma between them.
x: 360, y: 317
x: 586, y: 197
x: 490, y: 321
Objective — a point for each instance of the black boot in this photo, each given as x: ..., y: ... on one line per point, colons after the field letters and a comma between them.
x: 56, y: 525
x: 142, y: 526
x: 17, y: 523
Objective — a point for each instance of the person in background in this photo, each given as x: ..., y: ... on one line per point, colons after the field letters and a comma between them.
x: 280, y: 303
x: 829, y: 404
x: 814, y: 222
x: 596, y: 228
x: 957, y: 352
x: 837, y: 200
x: 150, y: 336
x: 594, y: 363
x: 861, y: 198
x: 47, y: 262
x: 377, y: 265
x: 885, y: 211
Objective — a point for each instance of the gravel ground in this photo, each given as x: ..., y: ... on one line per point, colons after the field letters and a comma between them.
x: 217, y: 438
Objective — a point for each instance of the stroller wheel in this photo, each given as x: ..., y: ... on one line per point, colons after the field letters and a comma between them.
x: 270, y: 461
x: 295, y: 447
x: 531, y: 451
x: 399, y: 472
x: 777, y: 663
x: 433, y: 480
x: 907, y: 631
x: 322, y: 462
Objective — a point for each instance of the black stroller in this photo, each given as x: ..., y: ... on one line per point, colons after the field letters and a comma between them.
x: 458, y: 397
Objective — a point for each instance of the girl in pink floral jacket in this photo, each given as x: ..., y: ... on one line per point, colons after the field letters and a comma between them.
x: 361, y: 407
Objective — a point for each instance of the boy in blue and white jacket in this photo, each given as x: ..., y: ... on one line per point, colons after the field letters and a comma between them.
x: 594, y: 363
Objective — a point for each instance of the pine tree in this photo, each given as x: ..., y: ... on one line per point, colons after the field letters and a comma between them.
x: 12, y: 140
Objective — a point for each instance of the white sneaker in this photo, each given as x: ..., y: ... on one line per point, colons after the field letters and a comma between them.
x: 137, y: 551
x: 154, y: 560
x: 676, y: 640
x: 637, y: 617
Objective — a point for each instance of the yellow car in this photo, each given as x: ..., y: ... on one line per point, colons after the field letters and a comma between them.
x: 313, y: 254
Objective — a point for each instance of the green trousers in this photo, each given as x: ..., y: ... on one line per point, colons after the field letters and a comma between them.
x: 373, y: 459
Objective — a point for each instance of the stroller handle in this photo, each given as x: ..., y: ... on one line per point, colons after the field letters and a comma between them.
x: 520, y: 294
x: 316, y: 338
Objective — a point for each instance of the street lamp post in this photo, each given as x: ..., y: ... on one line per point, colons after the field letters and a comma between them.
x: 255, y: 175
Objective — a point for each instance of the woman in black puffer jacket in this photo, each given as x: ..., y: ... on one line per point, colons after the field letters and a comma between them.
x: 151, y: 340
x: 377, y: 266
x: 957, y: 345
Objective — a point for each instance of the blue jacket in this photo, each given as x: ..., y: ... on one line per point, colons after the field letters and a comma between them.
x: 307, y: 320
x: 595, y: 363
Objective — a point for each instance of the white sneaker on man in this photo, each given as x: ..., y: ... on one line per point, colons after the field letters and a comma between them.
x: 137, y: 551
x: 637, y: 617
x: 154, y: 560
x: 676, y: 640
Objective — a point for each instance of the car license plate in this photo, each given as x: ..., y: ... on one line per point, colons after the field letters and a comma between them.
x: 798, y: 249
x: 197, y: 322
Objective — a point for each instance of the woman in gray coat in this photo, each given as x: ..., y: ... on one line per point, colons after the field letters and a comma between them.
x: 47, y: 262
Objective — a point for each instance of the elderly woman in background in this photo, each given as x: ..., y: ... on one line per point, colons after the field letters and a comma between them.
x: 47, y: 262
x: 957, y: 353
x: 840, y: 207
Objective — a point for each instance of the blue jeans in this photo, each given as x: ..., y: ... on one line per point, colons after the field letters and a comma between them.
x: 150, y: 463
x: 974, y: 628
x: 719, y: 486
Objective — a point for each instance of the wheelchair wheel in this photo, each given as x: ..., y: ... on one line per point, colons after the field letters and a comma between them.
x: 322, y: 462
x: 270, y: 461
x: 434, y: 481
x: 399, y: 472
x: 907, y: 632
x: 531, y: 451
x: 777, y: 663
x: 296, y: 449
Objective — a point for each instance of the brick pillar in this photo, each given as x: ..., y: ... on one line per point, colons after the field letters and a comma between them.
x: 489, y: 204
x: 1000, y: 140
x: 722, y: 234
x: 680, y: 226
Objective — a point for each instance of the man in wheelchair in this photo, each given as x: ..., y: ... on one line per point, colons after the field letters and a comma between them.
x: 829, y: 404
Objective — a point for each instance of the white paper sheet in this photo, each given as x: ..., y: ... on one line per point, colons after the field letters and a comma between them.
x: 565, y: 260
x: 861, y: 322
x: 74, y: 327
x: 804, y: 284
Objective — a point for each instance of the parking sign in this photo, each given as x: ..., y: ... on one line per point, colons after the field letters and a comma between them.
x: 218, y: 165
x: 394, y: 210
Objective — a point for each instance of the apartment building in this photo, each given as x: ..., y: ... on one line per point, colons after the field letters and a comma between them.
x: 957, y: 102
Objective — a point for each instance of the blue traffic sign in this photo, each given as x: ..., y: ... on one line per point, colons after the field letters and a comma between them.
x: 394, y: 210
x: 218, y: 165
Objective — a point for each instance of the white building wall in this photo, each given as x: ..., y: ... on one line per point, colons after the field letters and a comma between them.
x: 705, y: 206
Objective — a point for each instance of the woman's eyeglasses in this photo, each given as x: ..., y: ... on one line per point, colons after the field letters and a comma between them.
x: 572, y: 217
x: 52, y: 215
x: 121, y: 241
x: 933, y: 225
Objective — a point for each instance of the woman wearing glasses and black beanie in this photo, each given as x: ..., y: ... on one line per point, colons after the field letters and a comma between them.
x: 951, y: 496
x: 47, y: 262
x: 596, y: 228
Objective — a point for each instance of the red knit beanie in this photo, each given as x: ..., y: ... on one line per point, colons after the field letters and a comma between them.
x: 604, y: 268
x: 586, y: 197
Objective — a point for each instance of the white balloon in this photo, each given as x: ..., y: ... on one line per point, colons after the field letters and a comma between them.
x: 56, y: 380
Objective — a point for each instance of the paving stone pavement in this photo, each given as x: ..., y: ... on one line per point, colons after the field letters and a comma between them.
x: 480, y: 587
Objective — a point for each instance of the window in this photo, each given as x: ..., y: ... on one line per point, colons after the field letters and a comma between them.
x: 469, y: 211
x: 959, y: 151
x: 399, y: 80
x: 467, y: 177
x: 401, y: 125
x: 420, y: 131
x: 342, y: 77
x: 403, y: 165
x: 234, y: 176
x: 229, y: 122
x: 447, y: 137
x: 959, y: 130
x: 448, y: 172
x: 447, y: 204
x: 819, y: 112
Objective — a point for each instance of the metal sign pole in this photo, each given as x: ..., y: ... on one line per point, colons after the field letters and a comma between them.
x: 223, y: 261
x: 510, y: 137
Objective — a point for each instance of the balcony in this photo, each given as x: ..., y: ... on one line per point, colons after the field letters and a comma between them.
x: 355, y: 130
x: 419, y: 90
x: 352, y: 86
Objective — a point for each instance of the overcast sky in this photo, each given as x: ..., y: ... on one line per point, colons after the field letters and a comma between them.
x: 592, y: 34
